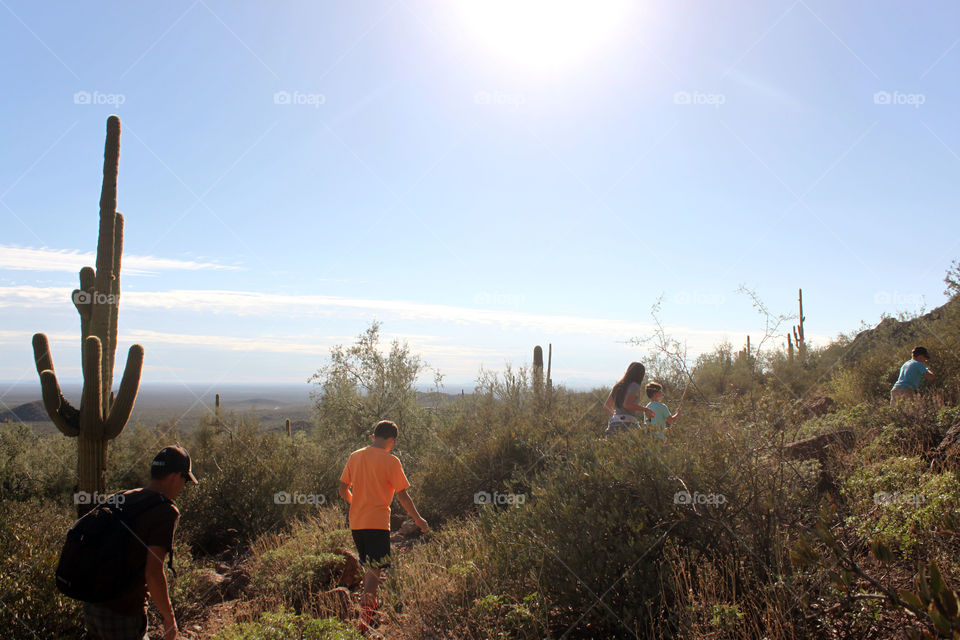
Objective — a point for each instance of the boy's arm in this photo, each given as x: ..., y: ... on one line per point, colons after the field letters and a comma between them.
x: 345, y: 492
x: 673, y: 418
x: 407, y: 503
x: 157, y: 586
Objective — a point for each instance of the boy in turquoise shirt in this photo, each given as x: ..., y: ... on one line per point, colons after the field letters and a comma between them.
x: 661, y: 414
x: 912, y: 373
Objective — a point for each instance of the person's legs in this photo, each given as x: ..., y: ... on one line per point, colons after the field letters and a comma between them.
x: 898, y: 394
x: 103, y: 623
x: 374, y: 546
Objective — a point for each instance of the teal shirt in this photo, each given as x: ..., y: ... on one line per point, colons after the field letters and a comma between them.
x: 661, y: 413
x: 911, y: 375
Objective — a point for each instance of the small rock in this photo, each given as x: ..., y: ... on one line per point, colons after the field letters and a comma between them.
x: 211, y: 585
x: 409, y: 529
x: 351, y: 574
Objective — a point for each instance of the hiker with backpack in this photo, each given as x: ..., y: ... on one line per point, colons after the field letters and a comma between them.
x: 369, y: 480
x: 912, y: 373
x: 625, y: 400
x: 114, y: 554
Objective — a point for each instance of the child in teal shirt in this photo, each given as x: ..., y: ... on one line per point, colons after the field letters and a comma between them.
x: 661, y: 414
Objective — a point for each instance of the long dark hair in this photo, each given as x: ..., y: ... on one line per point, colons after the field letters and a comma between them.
x: 635, y: 373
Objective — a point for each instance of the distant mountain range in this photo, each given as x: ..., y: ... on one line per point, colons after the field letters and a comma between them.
x: 28, y: 412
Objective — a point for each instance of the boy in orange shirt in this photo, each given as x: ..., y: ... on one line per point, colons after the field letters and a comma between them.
x: 368, y: 482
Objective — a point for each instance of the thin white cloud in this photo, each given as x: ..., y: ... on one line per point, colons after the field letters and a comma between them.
x: 248, y: 303
x: 45, y: 259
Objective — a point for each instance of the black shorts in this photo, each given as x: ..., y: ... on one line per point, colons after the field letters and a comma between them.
x: 373, y: 546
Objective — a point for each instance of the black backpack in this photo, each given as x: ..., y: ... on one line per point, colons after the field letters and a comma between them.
x: 94, y: 563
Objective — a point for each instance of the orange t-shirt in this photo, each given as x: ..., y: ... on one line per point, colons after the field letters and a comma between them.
x: 375, y: 474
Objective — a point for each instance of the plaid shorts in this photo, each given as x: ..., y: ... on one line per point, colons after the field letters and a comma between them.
x: 106, y: 624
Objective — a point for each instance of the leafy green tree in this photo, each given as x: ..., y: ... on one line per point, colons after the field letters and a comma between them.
x: 364, y: 383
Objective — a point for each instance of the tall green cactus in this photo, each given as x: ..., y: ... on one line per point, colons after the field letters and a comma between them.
x: 101, y: 416
x: 537, y: 369
x: 798, y: 336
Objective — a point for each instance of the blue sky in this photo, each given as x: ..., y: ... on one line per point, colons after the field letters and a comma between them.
x: 479, y: 178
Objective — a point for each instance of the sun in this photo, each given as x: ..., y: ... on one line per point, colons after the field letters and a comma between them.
x: 544, y: 34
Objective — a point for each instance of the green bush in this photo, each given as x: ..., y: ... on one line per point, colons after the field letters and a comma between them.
x: 289, y: 568
x: 31, y: 535
x: 34, y: 466
x: 289, y: 626
x: 899, y: 502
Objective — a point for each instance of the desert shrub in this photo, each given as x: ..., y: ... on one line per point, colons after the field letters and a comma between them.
x: 898, y: 501
x: 288, y: 626
x: 129, y: 456
x: 31, y: 535
x: 441, y: 589
x: 288, y: 569
x: 869, y: 379
x: 36, y: 466
x: 250, y: 482
x: 724, y: 371
x: 361, y: 385
x: 494, y: 440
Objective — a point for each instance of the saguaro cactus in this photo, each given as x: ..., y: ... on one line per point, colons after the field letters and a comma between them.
x: 537, y: 369
x: 798, y: 337
x: 101, y: 416
x: 549, y: 365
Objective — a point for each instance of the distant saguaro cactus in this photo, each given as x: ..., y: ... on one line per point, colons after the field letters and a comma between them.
x: 101, y: 416
x: 537, y: 369
x: 798, y: 337
x: 549, y: 365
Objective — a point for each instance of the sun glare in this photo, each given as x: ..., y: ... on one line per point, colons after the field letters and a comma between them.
x: 544, y: 34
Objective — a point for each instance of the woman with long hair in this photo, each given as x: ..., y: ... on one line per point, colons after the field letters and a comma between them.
x: 626, y: 400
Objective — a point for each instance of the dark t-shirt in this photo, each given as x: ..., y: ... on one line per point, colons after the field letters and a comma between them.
x: 153, y: 528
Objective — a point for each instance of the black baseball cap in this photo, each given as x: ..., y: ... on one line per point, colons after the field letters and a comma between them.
x: 172, y: 459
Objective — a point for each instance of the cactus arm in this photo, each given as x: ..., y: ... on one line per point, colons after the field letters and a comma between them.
x: 91, y: 411
x: 122, y: 406
x: 41, y: 353
x: 84, y: 306
x: 63, y: 415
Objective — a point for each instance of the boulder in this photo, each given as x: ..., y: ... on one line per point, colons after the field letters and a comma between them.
x: 947, y: 453
x: 238, y: 580
x: 818, y: 406
x: 819, y: 447
x: 211, y: 585
x: 351, y: 573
